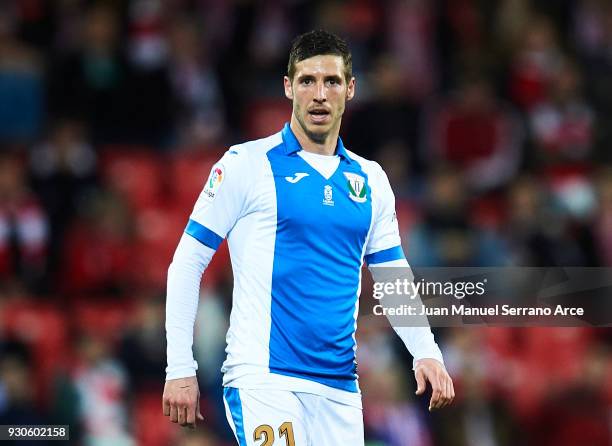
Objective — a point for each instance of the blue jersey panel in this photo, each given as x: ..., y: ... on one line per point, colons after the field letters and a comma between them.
x: 322, y: 226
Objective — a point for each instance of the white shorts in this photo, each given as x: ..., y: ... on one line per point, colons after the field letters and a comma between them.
x: 284, y: 418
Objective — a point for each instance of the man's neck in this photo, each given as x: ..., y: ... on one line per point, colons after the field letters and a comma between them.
x: 328, y: 147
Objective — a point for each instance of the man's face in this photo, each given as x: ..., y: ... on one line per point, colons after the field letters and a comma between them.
x: 319, y: 92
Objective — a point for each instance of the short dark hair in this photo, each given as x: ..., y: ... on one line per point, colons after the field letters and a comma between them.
x: 319, y: 43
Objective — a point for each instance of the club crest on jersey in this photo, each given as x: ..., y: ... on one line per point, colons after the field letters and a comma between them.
x: 217, y: 174
x: 328, y: 198
x: 357, y: 187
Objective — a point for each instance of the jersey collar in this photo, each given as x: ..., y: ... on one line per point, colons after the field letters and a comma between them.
x: 292, y: 145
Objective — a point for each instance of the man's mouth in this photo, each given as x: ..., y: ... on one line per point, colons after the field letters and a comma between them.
x: 318, y: 114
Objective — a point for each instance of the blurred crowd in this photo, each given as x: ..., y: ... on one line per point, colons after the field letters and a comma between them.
x: 492, y: 119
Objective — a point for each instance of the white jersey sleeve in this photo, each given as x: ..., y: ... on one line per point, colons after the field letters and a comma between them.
x: 183, y: 291
x: 218, y: 207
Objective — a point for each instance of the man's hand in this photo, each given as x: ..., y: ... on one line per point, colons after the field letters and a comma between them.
x: 442, y: 388
x: 181, y: 401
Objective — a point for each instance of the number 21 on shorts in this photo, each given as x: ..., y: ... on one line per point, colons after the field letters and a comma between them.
x: 265, y: 432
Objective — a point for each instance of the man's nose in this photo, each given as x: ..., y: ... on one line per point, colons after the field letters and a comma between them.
x: 320, y: 93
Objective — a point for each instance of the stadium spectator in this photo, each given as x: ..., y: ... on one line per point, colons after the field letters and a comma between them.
x: 149, y: 105
x: 63, y: 170
x: 98, y: 249
x: 17, y: 405
x: 200, y: 109
x: 387, y: 115
x: 410, y: 39
x: 21, y: 83
x: 593, y: 39
x: 534, y: 62
x: 530, y: 246
x: 101, y: 384
x: 91, y: 83
x: 475, y: 133
x: 147, y: 46
x: 140, y: 351
x: 510, y: 20
x: 445, y: 236
x: 563, y: 123
x: 541, y: 234
x: 271, y: 30
x: 24, y: 230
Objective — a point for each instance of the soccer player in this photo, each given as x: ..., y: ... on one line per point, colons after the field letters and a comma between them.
x: 301, y: 213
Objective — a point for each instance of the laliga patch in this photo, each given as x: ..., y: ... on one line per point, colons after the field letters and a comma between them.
x: 217, y: 175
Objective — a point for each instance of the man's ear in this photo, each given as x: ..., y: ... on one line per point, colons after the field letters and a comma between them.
x: 288, y: 88
x: 350, y: 90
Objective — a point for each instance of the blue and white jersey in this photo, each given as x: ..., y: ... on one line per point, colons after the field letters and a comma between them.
x: 297, y: 242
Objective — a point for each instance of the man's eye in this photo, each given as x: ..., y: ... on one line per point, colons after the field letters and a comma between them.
x: 332, y: 82
x: 307, y: 81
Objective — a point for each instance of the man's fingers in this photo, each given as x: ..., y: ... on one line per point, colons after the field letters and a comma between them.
x: 437, y: 394
x: 166, y: 407
x: 198, y: 413
x: 449, y: 387
x: 191, y: 415
x: 449, y: 393
x: 174, y: 414
x: 442, y: 390
x: 445, y: 400
x: 420, y: 379
x: 435, y: 399
x: 443, y: 393
x: 182, y: 415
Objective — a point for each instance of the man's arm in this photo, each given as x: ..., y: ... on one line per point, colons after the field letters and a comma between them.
x: 181, y: 393
x: 220, y: 205
x: 386, y: 261
x: 428, y: 364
